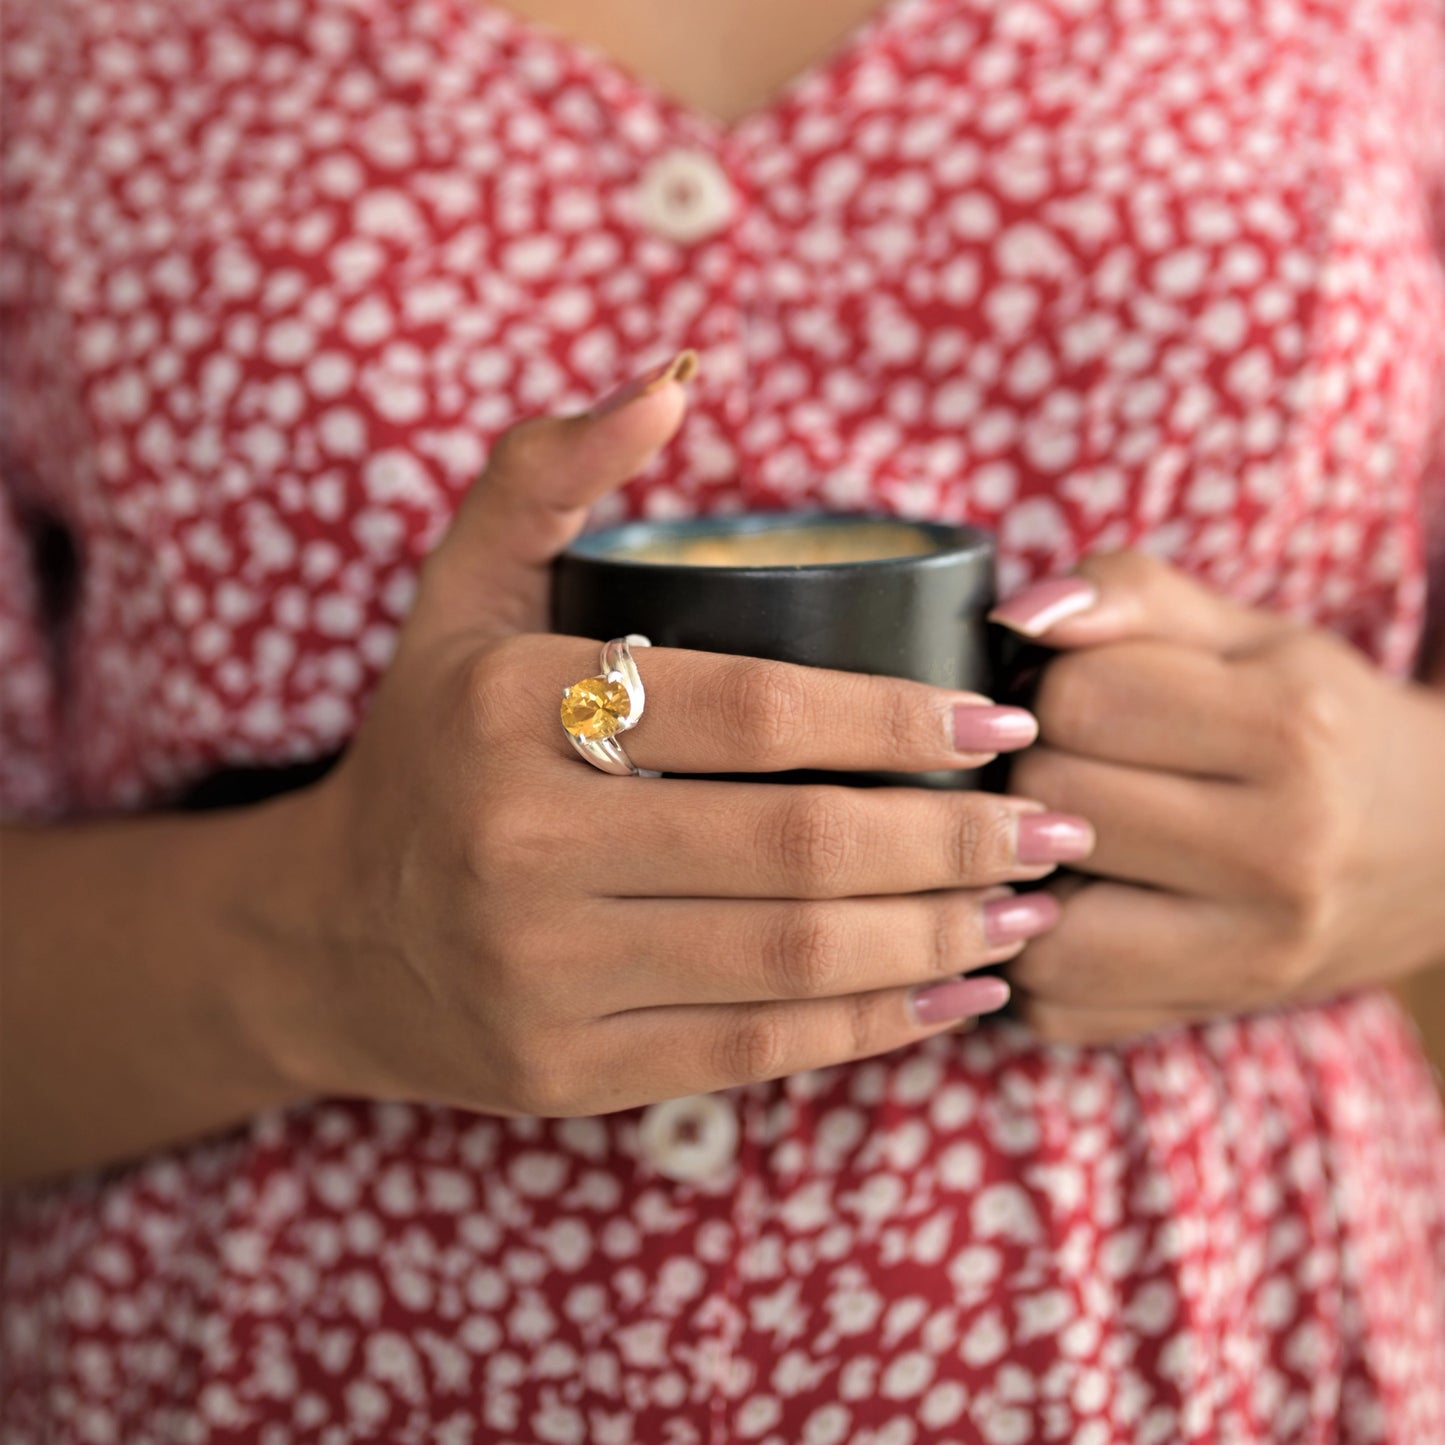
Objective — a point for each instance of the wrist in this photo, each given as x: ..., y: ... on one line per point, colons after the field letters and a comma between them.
x: 1412, y: 924
x: 1430, y: 706
x: 282, y: 907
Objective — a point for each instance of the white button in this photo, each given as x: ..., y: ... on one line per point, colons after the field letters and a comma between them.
x: 685, y: 196
x: 690, y: 1139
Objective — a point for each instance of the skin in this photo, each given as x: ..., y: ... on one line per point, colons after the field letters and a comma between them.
x: 725, y: 59
x: 425, y: 924
x: 1270, y: 812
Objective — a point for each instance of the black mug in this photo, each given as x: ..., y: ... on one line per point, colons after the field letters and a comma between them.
x: 861, y: 593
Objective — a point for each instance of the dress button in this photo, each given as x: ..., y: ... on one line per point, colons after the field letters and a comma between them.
x: 690, y: 1139
x: 685, y: 196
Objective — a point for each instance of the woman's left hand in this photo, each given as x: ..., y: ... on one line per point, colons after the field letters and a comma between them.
x: 1270, y: 809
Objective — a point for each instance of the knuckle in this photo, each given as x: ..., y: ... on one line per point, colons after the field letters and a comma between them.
x: 1312, y: 714
x: 523, y: 963
x: 1041, y: 774
x: 814, y: 837
x: 1049, y: 1025
x: 908, y: 727
x: 1275, y: 969
x: 754, y: 1047
x: 489, y: 681
x: 1028, y: 775
x: 1036, y: 971
x: 1135, y: 567
x: 1127, y: 570
x: 1300, y: 878
x: 765, y: 710
x: 485, y: 857
x: 515, y: 653
x: 866, y: 1031
x: 522, y: 450
x: 967, y: 845
x: 1070, y: 704
x: 1069, y: 1028
x: 981, y: 844
x: 483, y: 702
x: 511, y: 836
x: 1301, y: 922
x: 951, y: 942
x: 805, y: 960
x: 539, y: 1077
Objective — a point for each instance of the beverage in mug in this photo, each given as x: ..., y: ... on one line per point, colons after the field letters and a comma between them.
x: 799, y: 544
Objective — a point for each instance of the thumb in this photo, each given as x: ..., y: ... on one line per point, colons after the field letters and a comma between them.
x: 1129, y: 596
x: 490, y: 570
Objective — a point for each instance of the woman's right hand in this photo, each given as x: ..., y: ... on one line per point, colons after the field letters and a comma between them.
x: 510, y: 930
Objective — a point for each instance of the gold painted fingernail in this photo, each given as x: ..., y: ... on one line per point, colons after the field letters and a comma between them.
x: 683, y: 367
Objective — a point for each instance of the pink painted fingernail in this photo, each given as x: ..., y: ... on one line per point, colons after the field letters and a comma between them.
x: 682, y: 367
x: 1040, y: 607
x: 985, y: 728
x: 1024, y: 915
x: 1053, y: 838
x: 959, y: 998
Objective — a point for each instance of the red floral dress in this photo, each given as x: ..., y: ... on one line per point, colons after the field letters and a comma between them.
x: 1092, y: 273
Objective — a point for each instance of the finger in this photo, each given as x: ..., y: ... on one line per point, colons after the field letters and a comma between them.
x: 667, y: 1052
x: 1084, y: 1027
x: 1130, y: 594
x: 491, y: 569
x: 695, y: 838
x: 1157, y: 705
x: 1130, y: 949
x: 707, y: 951
x: 1161, y: 829
x: 710, y: 712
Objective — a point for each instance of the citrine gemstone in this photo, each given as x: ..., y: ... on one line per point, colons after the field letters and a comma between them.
x: 595, y: 708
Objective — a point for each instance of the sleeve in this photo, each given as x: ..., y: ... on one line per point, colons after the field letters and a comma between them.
x: 1432, y: 660
x: 31, y: 775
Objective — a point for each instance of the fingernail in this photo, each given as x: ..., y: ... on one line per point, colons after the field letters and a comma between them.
x: 1053, y: 838
x: 979, y: 728
x: 1040, y: 607
x: 682, y: 367
x: 1024, y: 915
x: 959, y: 998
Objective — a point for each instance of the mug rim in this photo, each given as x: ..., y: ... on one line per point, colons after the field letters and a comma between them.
x: 954, y: 539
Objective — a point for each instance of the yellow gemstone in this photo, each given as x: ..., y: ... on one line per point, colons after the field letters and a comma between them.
x: 595, y: 708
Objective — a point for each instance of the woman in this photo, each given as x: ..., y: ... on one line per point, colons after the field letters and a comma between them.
x: 656, y: 1124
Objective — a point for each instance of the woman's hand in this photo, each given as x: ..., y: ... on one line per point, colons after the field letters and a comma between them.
x: 511, y: 930
x: 1270, y: 809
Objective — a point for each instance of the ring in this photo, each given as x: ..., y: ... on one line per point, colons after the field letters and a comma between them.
x: 596, y: 709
